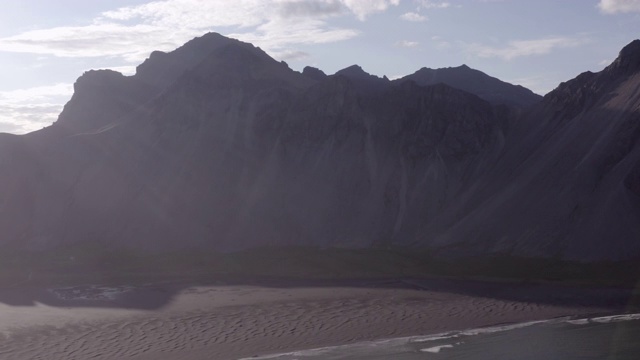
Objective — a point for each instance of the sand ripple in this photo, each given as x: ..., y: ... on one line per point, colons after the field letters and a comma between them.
x: 231, y: 322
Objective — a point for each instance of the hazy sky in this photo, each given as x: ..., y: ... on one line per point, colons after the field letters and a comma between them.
x: 45, y: 45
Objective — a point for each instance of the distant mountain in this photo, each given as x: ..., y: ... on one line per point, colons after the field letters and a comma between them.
x: 313, y: 73
x: 476, y: 82
x: 218, y: 146
x: 364, y: 81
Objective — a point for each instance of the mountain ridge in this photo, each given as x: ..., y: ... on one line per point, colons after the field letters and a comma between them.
x: 231, y: 149
x: 474, y: 81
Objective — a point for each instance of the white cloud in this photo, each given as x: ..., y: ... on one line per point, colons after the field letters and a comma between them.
x: 25, y: 110
x: 412, y: 16
x: 364, y: 8
x: 312, y: 8
x: 293, y: 55
x: 132, y: 32
x: 124, y: 70
x: 619, y: 6
x: 520, y: 48
x: 276, y: 37
x: 99, y: 39
x: 26, y: 118
x: 430, y: 4
x: 605, y: 62
x: 35, y: 93
x: 407, y: 43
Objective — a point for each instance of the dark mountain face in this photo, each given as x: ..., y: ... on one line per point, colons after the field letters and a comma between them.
x: 313, y: 73
x: 216, y: 145
x: 476, y: 82
x: 567, y: 182
x: 363, y: 81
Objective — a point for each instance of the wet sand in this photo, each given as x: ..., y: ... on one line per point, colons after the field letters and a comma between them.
x: 231, y: 320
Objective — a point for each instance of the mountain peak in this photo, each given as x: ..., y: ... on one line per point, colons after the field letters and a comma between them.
x: 313, y: 73
x: 356, y: 72
x: 353, y: 71
x: 162, y: 69
x: 364, y: 81
x: 476, y: 82
x: 628, y: 59
x: 631, y: 50
x: 96, y: 78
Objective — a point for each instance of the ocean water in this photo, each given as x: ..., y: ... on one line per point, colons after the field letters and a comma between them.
x: 611, y: 338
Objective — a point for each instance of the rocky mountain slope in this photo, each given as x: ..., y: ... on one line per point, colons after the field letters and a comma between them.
x: 567, y: 184
x: 216, y: 145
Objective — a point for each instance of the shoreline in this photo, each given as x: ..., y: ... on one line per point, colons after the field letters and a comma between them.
x: 576, y: 320
x: 242, y: 319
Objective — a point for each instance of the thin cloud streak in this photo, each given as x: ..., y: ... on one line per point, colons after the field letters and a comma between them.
x: 521, y: 48
x: 311, y: 8
x: 132, y: 32
x: 619, y: 6
x: 364, y: 8
x: 407, y: 44
x: 36, y: 93
x: 430, y: 4
x: 95, y: 40
x: 414, y: 17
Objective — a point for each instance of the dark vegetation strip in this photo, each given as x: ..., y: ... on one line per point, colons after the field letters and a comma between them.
x: 88, y: 261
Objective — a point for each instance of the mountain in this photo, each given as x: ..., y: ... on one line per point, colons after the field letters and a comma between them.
x: 218, y: 146
x: 476, y: 82
x: 567, y: 184
x: 364, y: 82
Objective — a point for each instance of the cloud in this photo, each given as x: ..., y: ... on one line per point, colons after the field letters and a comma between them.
x: 276, y: 38
x: 430, y: 4
x: 35, y: 94
x: 396, y: 77
x: 124, y: 69
x: 132, y: 32
x: 412, y: 16
x: 407, y: 43
x: 25, y: 110
x: 27, y: 118
x: 537, y: 83
x: 96, y: 40
x: 520, y: 48
x: 605, y: 62
x: 293, y: 55
x: 619, y: 6
x: 311, y: 8
x: 364, y: 8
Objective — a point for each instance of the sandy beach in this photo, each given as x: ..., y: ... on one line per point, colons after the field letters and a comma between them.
x: 235, y: 319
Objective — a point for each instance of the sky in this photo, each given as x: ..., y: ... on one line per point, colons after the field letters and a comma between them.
x: 46, y: 45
